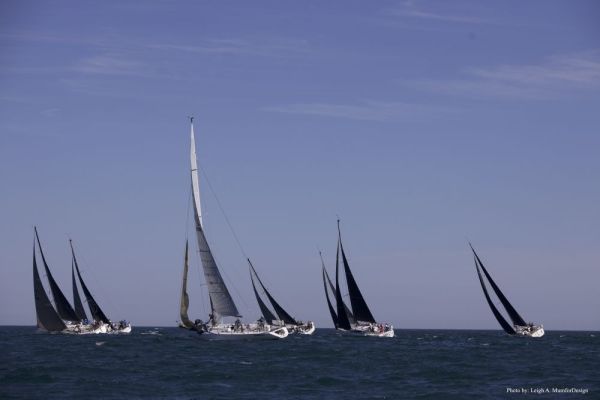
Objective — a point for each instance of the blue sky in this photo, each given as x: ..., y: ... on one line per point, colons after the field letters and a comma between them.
x: 421, y: 124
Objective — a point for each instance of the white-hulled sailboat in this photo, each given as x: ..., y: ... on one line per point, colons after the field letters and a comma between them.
x: 221, y: 302
x: 357, y: 318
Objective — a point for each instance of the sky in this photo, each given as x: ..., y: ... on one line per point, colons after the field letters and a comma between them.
x: 423, y: 125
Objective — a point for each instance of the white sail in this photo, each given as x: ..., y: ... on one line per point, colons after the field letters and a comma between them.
x: 221, y: 302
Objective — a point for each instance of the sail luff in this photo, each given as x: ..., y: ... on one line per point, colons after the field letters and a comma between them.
x: 95, y: 309
x: 512, y: 313
x: 221, y: 300
x: 185, y: 300
x: 47, y: 317
x: 503, y: 323
x: 63, y: 307
x: 343, y: 321
x: 280, y: 311
x: 79, y: 310
x: 266, y: 313
x: 359, y: 306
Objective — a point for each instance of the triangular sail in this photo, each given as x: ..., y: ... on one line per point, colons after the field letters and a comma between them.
x: 281, y: 313
x: 359, y: 306
x: 512, y: 313
x: 47, y: 317
x: 329, y: 305
x: 343, y: 321
x: 503, y: 323
x: 79, y: 310
x: 185, y: 300
x: 95, y: 309
x: 222, y: 303
x: 266, y: 312
x: 64, y: 309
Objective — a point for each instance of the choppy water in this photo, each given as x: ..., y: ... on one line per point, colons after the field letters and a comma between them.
x: 173, y: 363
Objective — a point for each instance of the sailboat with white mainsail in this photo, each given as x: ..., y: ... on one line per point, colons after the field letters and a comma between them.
x: 519, y: 327
x: 356, y: 318
x: 277, y: 316
x: 221, y: 302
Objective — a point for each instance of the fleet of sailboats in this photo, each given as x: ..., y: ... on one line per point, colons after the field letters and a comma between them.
x: 60, y: 316
x: 346, y: 304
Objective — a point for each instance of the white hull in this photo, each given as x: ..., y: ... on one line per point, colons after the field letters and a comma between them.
x: 303, y: 329
x: 535, y: 331
x: 373, y: 330
x: 249, y: 331
x: 92, y: 329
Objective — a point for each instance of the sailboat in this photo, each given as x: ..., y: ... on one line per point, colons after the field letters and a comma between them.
x: 519, y: 326
x: 221, y: 302
x: 356, y: 318
x: 278, y: 316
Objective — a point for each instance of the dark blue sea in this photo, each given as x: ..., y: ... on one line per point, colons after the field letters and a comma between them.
x: 170, y: 363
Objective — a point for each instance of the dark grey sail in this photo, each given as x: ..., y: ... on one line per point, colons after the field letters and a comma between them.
x: 343, y: 321
x: 281, y: 313
x: 221, y: 300
x: 512, y: 313
x: 346, y: 308
x: 79, y: 310
x: 95, y: 309
x: 503, y: 323
x: 329, y: 305
x: 64, y: 309
x: 359, y: 306
x: 266, y: 312
x: 185, y: 300
x: 47, y: 317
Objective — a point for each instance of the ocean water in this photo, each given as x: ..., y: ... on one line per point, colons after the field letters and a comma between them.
x: 170, y: 363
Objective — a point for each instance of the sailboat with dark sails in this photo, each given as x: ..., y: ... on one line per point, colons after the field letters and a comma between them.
x: 277, y: 316
x: 221, y: 302
x: 519, y: 327
x: 356, y: 318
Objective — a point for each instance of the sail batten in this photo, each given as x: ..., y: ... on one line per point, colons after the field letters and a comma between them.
x: 512, y: 313
x: 47, y: 317
x: 95, y: 309
x: 185, y: 300
x: 63, y: 307
x: 222, y: 303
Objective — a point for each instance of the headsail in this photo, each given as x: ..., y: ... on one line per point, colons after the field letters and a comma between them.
x: 359, y: 306
x: 329, y: 305
x: 47, y: 317
x: 79, y: 310
x: 281, y: 313
x: 95, y: 309
x: 185, y: 300
x: 343, y: 321
x: 64, y: 309
x: 266, y: 312
x: 512, y: 313
x: 505, y: 325
x: 221, y: 301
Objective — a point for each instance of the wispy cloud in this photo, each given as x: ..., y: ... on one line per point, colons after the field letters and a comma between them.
x: 368, y: 110
x: 262, y: 47
x: 110, y: 64
x: 409, y: 9
x: 547, y: 79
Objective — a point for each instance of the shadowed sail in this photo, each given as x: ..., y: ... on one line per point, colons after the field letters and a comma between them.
x: 79, y: 310
x: 342, y: 317
x: 221, y: 302
x: 281, y: 313
x: 63, y: 308
x: 47, y: 317
x: 185, y: 300
x: 95, y: 309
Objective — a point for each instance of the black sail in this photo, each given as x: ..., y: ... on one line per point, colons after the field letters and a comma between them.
x: 512, y: 313
x: 343, y: 321
x: 47, y: 318
x: 64, y: 309
x: 95, y: 309
x: 281, y: 313
x: 185, y: 300
x: 359, y: 306
x: 329, y: 305
x: 266, y: 313
x: 79, y: 310
x: 346, y: 308
x: 503, y: 323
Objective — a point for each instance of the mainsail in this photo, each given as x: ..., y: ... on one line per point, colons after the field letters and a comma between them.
x: 222, y: 304
x: 512, y: 313
x: 185, y: 300
x: 79, y: 310
x: 47, y: 317
x: 95, y: 309
x: 281, y: 313
x: 359, y: 306
x: 505, y: 325
x: 343, y: 321
x: 64, y: 309
x: 329, y: 305
x: 268, y: 315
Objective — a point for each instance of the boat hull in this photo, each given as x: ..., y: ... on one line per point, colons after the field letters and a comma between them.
x: 303, y: 329
x: 372, y: 330
x: 229, y: 332
x: 535, y: 331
